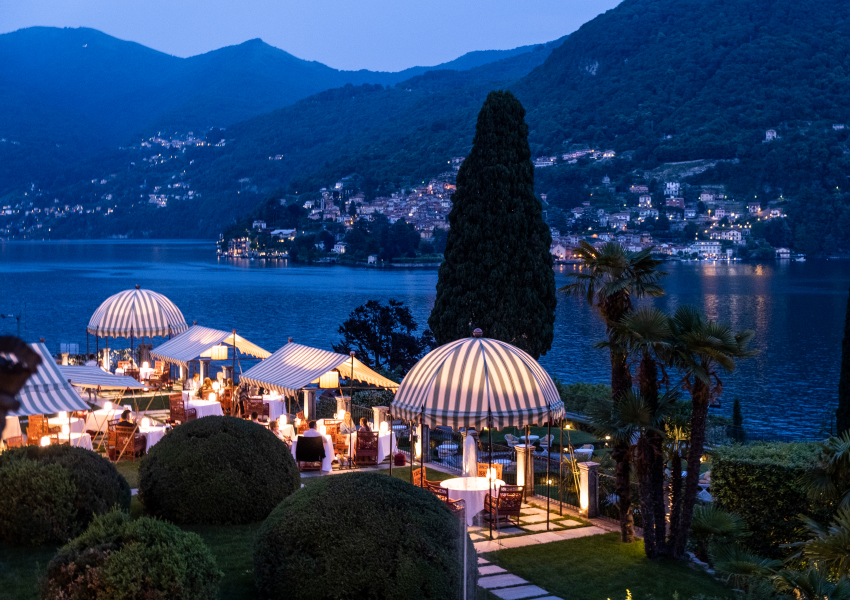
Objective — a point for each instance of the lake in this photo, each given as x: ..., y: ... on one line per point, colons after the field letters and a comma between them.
x: 796, y: 309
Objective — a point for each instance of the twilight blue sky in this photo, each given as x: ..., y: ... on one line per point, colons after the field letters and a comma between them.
x: 370, y: 34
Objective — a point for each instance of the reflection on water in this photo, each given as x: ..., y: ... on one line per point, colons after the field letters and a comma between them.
x: 796, y: 309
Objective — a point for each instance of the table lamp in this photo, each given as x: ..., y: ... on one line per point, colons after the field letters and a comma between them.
x: 341, y: 414
x: 384, y: 427
x: 146, y: 422
x: 45, y: 441
x: 212, y: 397
x: 107, y: 406
x: 323, y: 430
x: 146, y: 365
x: 491, y: 474
x: 282, y: 420
x: 63, y: 415
x: 216, y: 385
x: 65, y: 429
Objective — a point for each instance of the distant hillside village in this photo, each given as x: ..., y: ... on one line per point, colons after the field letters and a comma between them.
x: 342, y: 224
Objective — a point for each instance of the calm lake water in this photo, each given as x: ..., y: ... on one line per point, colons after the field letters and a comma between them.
x: 796, y: 309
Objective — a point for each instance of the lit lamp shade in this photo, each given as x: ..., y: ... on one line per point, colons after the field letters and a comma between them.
x: 218, y: 352
x: 491, y: 474
x: 45, y: 441
x: 107, y: 406
x: 384, y: 427
x: 65, y: 429
x: 418, y: 449
x: 146, y: 365
x: 282, y: 420
x: 146, y: 422
x: 329, y: 380
x: 216, y: 385
x: 341, y: 414
x: 62, y: 415
x: 212, y: 397
x: 323, y: 430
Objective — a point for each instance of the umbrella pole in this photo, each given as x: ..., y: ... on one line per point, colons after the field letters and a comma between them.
x: 412, y: 449
x: 561, y: 471
x: 548, y: 480
x: 490, y: 464
x: 392, y: 456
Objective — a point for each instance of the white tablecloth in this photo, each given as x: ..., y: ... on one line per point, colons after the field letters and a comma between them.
x: 472, y: 490
x: 77, y: 424
x: 13, y: 427
x: 97, y: 420
x: 152, y: 434
x: 288, y: 431
x: 447, y: 449
x: 205, y: 408
x: 276, y: 407
x: 386, y: 444
x: 531, y: 438
x: 80, y: 440
x: 145, y: 373
x: 327, y: 463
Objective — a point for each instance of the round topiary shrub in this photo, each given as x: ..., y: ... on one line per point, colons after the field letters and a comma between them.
x: 217, y: 470
x: 117, y: 557
x: 33, y: 490
x: 361, y: 535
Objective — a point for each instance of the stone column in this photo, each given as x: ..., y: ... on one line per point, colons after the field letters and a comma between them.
x: 589, y: 490
x: 310, y: 404
x: 379, y: 416
x: 525, y: 469
x: 205, y: 369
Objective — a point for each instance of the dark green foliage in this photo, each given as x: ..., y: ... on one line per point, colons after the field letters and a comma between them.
x: 361, y: 535
x: 497, y: 273
x: 383, y: 336
x: 97, y: 486
x: 388, y: 241
x: 842, y: 414
x: 577, y: 396
x: 736, y: 430
x: 117, y: 557
x: 762, y: 484
x: 217, y: 470
x: 36, y: 503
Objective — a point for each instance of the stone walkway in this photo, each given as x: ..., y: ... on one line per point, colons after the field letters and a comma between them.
x: 506, y: 586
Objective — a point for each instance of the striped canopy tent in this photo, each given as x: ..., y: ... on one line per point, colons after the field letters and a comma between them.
x: 478, y: 382
x: 47, y: 392
x: 294, y: 367
x: 201, y: 342
x: 95, y: 377
x: 137, y: 313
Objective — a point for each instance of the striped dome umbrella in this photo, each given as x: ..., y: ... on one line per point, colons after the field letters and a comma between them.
x: 137, y: 313
x: 478, y: 382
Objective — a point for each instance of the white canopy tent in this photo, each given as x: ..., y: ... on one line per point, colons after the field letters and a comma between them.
x: 294, y: 367
x: 95, y: 377
x: 203, y: 342
x: 47, y: 392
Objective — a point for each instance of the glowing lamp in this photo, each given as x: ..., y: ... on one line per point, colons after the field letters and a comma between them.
x: 218, y: 352
x: 146, y: 422
x: 418, y: 449
x: 384, y: 427
x: 297, y: 422
x: 65, y: 429
x: 63, y: 415
x: 146, y: 365
x: 212, y: 397
x: 323, y: 430
x: 329, y: 380
x: 282, y: 420
x: 45, y: 441
x: 491, y: 474
x: 341, y: 414
x: 107, y: 406
x: 216, y: 385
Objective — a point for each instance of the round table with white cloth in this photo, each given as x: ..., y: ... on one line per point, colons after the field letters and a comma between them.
x: 446, y: 449
x: 386, y: 444
x: 276, y: 406
x: 205, y: 408
x: 97, y: 420
x: 152, y: 434
x: 531, y: 438
x: 77, y: 425
x: 79, y: 440
x: 327, y: 463
x: 473, y: 491
x: 13, y: 428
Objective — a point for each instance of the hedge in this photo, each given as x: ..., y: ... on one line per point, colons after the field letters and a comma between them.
x: 361, y: 535
x: 761, y: 483
x: 217, y: 470
x: 117, y: 557
x: 35, y: 491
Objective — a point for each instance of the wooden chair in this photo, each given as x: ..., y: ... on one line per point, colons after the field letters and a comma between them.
x: 38, y: 427
x: 178, y: 411
x: 366, y: 448
x: 507, y: 503
x: 129, y: 443
x: 257, y: 406
x: 456, y: 506
x: 331, y: 426
x: 130, y: 372
x: 482, y: 469
x: 123, y: 364
x: 309, y: 453
x: 226, y: 401
x: 16, y: 441
x: 159, y: 366
x: 418, y: 480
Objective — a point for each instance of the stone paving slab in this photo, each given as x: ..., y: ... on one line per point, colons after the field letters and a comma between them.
x: 507, y: 531
x: 536, y: 538
x: 534, y: 518
x: 542, y: 527
x: 483, y: 561
x: 500, y: 581
x: 490, y: 570
x: 517, y: 593
x: 534, y: 511
x: 569, y: 534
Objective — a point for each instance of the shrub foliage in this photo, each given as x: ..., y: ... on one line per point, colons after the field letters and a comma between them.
x: 762, y: 484
x: 217, y: 470
x: 51, y: 494
x: 361, y: 535
x: 117, y: 557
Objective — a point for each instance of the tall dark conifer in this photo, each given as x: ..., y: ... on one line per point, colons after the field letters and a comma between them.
x: 497, y: 273
x: 842, y: 415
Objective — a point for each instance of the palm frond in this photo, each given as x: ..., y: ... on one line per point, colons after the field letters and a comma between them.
x: 738, y: 565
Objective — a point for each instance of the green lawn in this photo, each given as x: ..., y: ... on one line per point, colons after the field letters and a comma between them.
x: 576, y: 437
x: 600, y: 567
x: 20, y: 569
x: 130, y: 471
x: 233, y: 547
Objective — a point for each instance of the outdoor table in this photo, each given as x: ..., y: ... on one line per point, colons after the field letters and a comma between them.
x: 473, y: 491
x: 77, y: 425
x: 152, y: 434
x: 387, y: 445
x: 145, y: 374
x: 276, y: 406
x: 446, y: 449
x: 80, y: 440
x: 531, y: 438
x: 13, y: 428
x: 97, y: 420
x: 288, y: 431
x: 119, y: 371
x: 327, y: 463
x: 583, y: 453
x: 205, y: 408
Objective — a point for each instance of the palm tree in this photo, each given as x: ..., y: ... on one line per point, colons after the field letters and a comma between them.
x: 830, y: 479
x: 610, y: 278
x: 712, y: 525
x: 701, y: 348
x: 646, y: 333
x: 828, y: 547
x: 812, y: 584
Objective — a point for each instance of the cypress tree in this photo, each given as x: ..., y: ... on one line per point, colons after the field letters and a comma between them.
x: 497, y: 273
x: 738, y: 422
x: 842, y: 415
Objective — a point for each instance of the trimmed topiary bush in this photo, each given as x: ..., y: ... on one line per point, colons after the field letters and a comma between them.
x: 34, y: 491
x: 217, y: 470
x: 762, y: 484
x: 117, y: 557
x: 361, y: 535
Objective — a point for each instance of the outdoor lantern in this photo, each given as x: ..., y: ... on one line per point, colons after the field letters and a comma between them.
x: 146, y: 365
x: 63, y: 415
x: 329, y: 380
x: 218, y: 352
x: 385, y: 427
x: 216, y: 386
x: 341, y: 414
x: 418, y: 449
x: 491, y: 474
x: 45, y: 441
x: 323, y: 430
x: 65, y: 429
x: 146, y: 422
x: 282, y: 420
x: 212, y: 397
x: 107, y: 406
